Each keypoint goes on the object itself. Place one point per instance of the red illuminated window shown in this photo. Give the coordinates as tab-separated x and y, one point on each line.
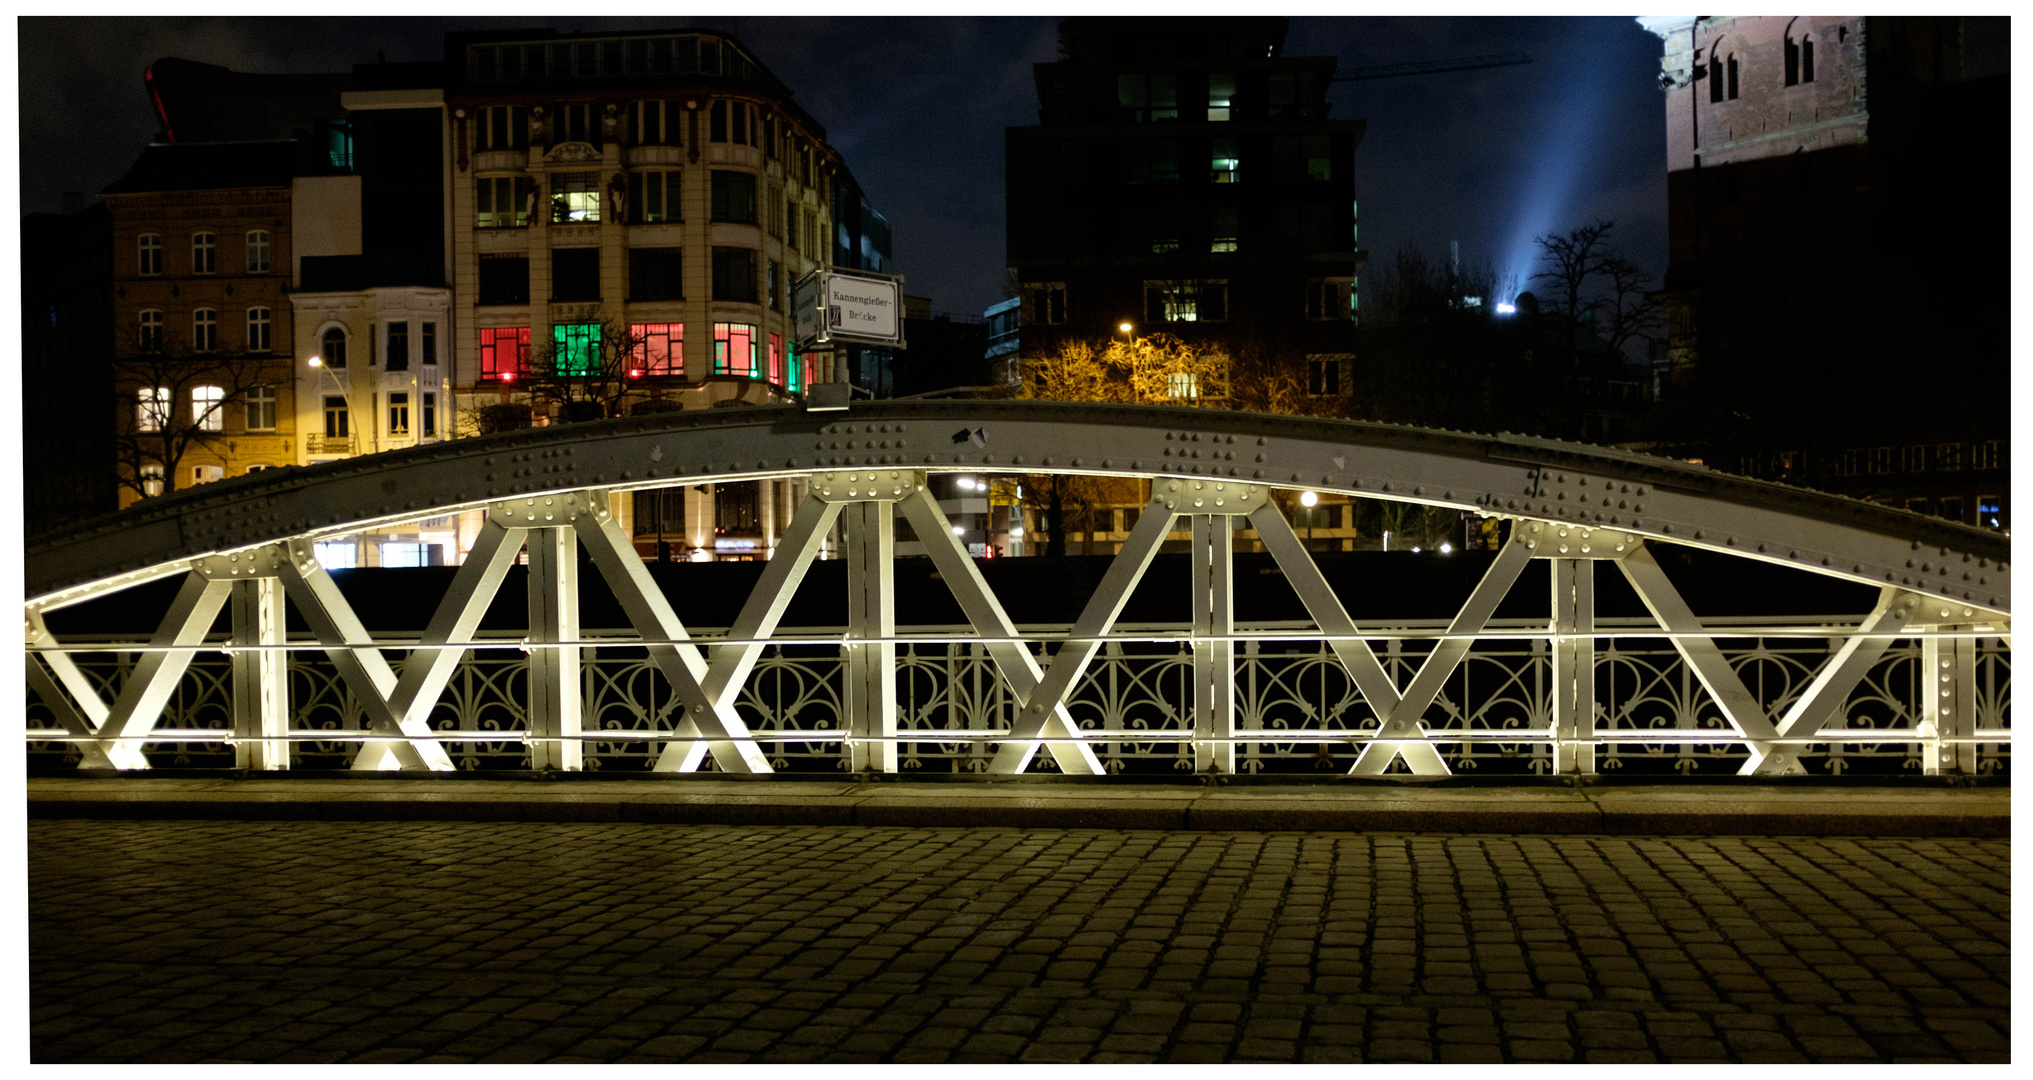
659	349
776	359
504	353
734	349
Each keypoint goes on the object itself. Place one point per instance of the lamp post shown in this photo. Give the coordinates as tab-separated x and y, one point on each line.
1126	330
318	363
1309	500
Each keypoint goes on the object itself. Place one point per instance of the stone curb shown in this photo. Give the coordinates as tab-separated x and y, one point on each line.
1878	812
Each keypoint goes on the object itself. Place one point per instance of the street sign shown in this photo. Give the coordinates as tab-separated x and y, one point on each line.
848	307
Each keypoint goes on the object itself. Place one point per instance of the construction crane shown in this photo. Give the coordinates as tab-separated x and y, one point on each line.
1432	67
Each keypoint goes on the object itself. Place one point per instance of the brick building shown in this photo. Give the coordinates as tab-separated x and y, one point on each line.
1837	289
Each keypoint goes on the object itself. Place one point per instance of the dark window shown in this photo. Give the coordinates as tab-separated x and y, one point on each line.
430	343
770	286
734	196
734	508
653	196
734	274
1806	59
656	274
429	413
1951	508
333	348
1792	61
504	279
1323	377
335	417
398	346
660	510
1732	65
575	274
717	122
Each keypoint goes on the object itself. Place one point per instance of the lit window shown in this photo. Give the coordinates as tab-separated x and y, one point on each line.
403	553
207	408
1220	95
734	349
204	330
205	474
151	254
204	253
776	359
576	348
257	251
150	339
151	480
504	353
659	349
1182	384
258	327
502	202
654	195
337	555
151	410
575	197
398	413
1203	301
261	408
332	349
1225	166
1990	511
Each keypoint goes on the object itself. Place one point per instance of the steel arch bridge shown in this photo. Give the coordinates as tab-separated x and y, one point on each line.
1943	590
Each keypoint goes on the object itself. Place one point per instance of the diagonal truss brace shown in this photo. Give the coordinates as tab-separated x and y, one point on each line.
985	613
734	750
360	664
1042	712
83	725
1398	733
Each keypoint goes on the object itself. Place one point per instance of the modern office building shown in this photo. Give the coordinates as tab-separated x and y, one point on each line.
1185	177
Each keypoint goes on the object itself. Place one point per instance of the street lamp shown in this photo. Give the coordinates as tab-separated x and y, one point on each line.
1125	329
1309	500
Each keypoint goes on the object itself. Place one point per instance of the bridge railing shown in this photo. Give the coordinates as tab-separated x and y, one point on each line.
1297	709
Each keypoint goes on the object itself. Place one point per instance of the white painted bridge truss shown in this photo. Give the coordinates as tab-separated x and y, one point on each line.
546	493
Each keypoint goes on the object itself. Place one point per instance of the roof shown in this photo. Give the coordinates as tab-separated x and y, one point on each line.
205	166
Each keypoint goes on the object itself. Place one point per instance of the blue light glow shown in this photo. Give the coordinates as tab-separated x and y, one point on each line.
1570	123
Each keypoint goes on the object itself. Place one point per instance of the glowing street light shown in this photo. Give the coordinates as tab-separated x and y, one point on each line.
1308	499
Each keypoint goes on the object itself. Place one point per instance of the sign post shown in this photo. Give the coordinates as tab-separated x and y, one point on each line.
831	308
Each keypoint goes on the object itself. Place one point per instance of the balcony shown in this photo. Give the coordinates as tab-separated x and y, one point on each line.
328	444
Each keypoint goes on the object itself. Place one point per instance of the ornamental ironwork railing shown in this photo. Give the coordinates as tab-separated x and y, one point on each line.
1298	712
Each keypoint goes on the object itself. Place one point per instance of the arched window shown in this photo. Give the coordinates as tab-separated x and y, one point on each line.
333	348
1806	58
1731	63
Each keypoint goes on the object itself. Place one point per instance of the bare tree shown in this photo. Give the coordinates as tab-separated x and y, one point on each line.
1592	286
590	374
173	400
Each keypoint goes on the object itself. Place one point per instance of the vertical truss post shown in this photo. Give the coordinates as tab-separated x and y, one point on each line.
260	676
1573	665
554	690
871	614
1213	660
1948	684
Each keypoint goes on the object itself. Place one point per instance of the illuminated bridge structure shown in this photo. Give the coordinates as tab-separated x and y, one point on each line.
1916	682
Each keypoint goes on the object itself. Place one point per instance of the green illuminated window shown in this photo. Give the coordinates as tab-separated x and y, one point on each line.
578	348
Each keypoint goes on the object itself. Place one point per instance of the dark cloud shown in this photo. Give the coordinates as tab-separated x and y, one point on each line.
918	107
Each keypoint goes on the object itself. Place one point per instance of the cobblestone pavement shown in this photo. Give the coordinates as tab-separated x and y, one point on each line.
448	941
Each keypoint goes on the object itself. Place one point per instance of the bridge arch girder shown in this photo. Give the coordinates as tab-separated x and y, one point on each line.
1517	477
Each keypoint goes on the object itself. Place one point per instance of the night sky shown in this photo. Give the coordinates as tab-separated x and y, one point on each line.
918	107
